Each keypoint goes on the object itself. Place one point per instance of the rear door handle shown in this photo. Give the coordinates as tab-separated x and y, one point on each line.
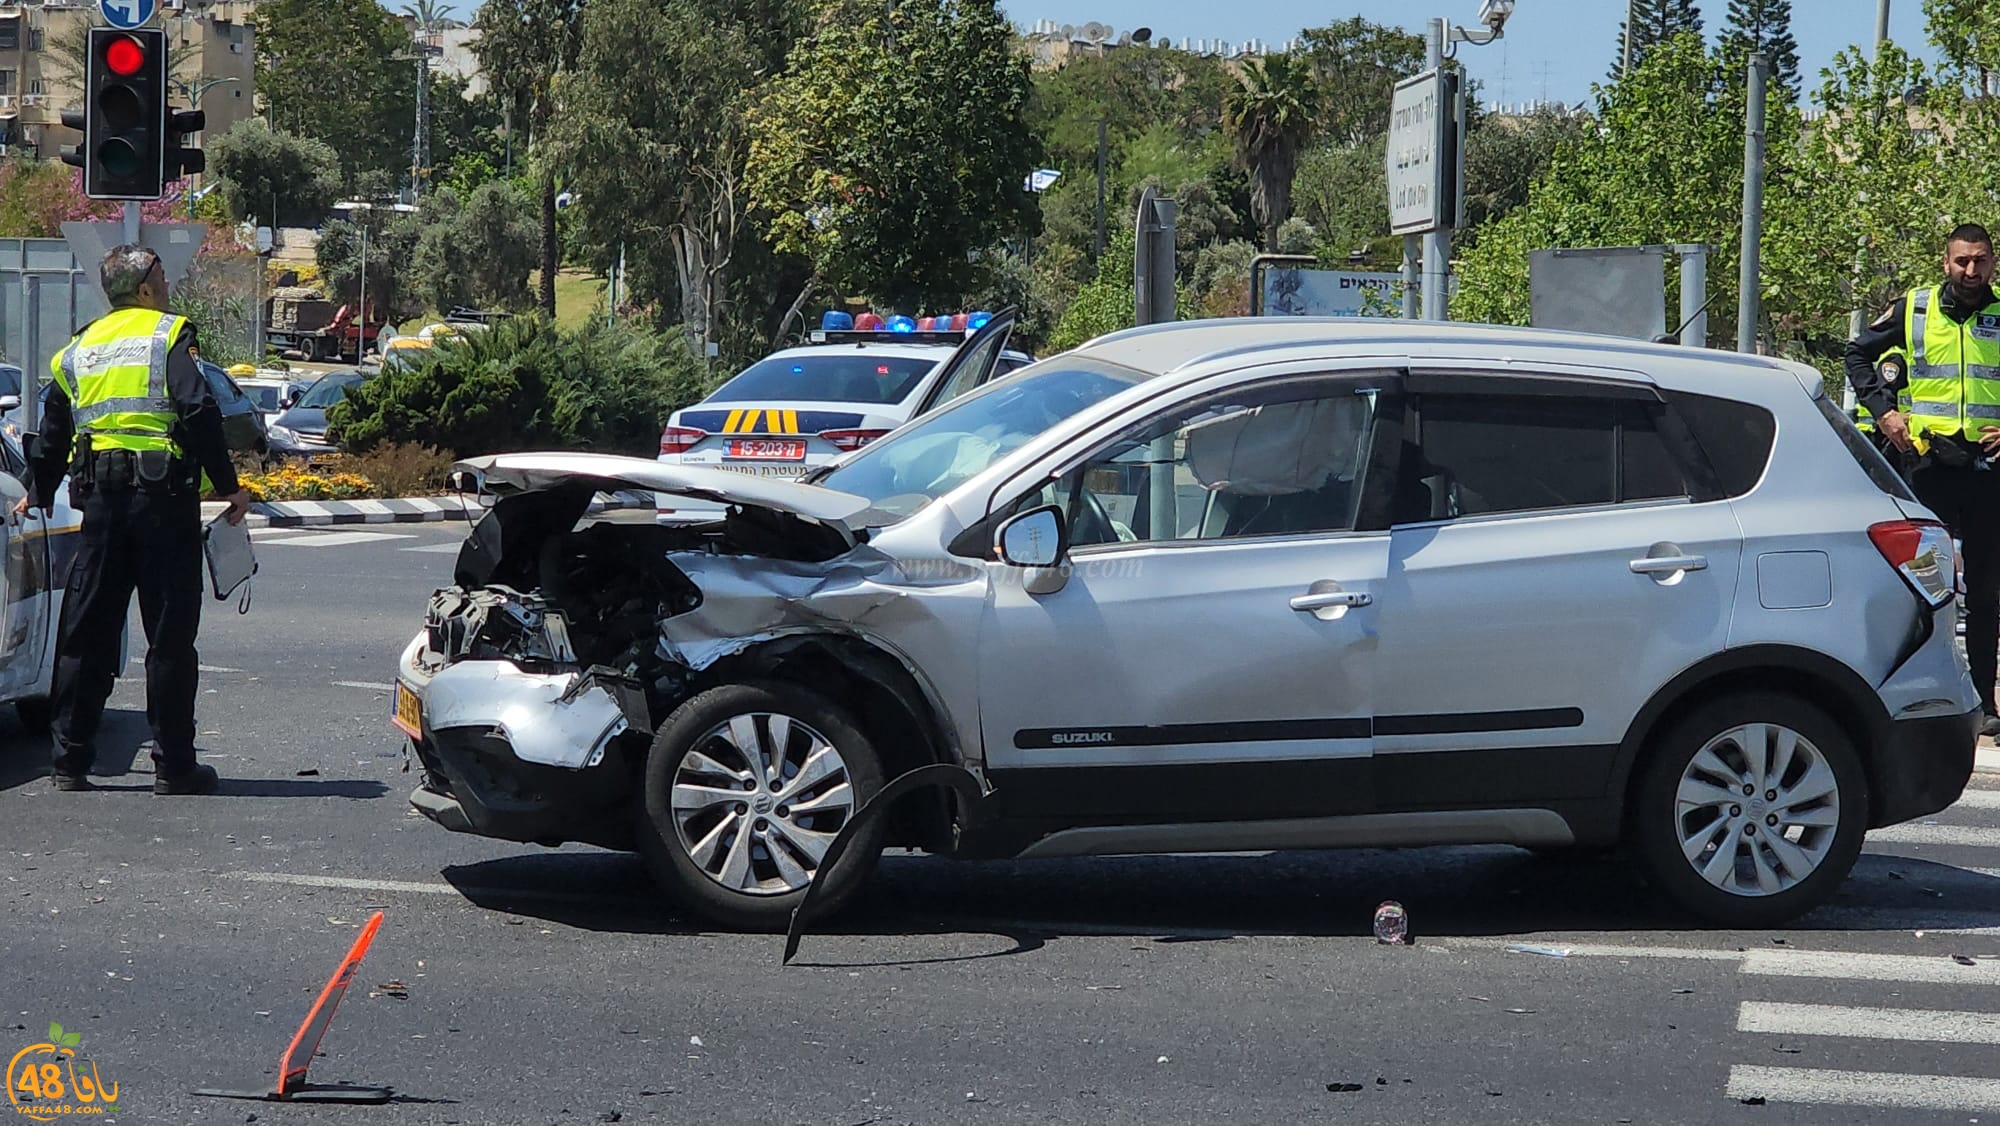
1666	564
1328	599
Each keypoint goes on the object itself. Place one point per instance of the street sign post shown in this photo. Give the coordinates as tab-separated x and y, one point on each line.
175	243
128	14
1416	164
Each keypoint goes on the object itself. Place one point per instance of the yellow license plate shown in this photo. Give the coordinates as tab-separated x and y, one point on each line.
408	713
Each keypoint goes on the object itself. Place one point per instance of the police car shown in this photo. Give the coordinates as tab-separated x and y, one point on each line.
35	555
862	376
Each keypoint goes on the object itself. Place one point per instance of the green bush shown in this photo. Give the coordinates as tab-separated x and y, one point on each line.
526	384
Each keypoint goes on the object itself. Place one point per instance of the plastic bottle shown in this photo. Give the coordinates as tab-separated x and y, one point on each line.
1392	925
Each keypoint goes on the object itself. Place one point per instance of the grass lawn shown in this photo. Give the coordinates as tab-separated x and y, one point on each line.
578	294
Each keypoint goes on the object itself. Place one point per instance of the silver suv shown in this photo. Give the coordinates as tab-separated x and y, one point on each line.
1227	585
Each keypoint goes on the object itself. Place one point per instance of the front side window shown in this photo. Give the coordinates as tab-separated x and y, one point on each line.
1487	454
1272	460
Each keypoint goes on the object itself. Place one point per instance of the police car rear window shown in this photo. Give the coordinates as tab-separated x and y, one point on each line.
837	377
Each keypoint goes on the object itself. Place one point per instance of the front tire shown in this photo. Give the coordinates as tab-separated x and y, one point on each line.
1751	810
746	787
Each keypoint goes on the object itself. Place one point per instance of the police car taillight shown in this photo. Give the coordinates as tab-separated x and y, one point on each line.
845	440
679	439
1920	551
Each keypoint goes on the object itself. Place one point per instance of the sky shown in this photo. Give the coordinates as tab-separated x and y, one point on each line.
1553	49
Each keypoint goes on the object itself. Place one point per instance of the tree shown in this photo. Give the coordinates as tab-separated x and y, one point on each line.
275	178
1358	64
895	147
477	253
1967	34
524	47
1504	157
1653	22
1134	93
335	71
1271	117
1616	184
1765	25
650	137
392	245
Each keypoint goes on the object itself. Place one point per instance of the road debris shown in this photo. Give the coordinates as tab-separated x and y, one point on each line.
1343	1088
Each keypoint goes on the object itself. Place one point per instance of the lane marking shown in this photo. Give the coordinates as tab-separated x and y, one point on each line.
1931	1025
1977	799
1864	1088
1870	967
335	539
1969	836
370	685
437	548
468	893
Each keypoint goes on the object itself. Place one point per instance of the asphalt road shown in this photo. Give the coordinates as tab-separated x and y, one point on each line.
184	938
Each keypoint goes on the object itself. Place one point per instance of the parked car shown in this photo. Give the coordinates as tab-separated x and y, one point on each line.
35	556
301	430
800	409
1228	585
243	423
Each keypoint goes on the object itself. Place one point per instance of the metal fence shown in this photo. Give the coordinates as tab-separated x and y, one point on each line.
31	332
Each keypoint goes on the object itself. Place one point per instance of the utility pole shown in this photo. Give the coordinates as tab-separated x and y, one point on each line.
1749	305
1100	187
1630	9
1881	26
1437	243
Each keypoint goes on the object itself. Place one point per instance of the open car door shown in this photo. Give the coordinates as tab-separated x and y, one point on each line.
973	364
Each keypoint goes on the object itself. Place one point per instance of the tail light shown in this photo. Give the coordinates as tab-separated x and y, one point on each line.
846	440
679	439
1921	551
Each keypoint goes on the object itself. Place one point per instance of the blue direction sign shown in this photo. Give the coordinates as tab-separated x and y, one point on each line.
128	14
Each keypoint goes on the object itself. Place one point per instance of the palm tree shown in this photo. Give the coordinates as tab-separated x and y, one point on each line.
1272	114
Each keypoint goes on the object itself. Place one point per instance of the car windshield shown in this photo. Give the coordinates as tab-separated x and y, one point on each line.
829	377
267	396
926	459
328	391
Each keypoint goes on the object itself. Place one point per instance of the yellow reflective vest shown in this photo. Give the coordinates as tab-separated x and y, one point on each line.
1954	383
115	374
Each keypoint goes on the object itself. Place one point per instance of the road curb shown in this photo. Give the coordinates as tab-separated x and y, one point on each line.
408	510
1987	759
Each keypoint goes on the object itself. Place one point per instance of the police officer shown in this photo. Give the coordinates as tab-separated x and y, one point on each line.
1951	334
129	401
1894	369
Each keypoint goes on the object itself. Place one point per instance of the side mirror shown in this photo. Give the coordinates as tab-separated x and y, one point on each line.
9	402
1036	538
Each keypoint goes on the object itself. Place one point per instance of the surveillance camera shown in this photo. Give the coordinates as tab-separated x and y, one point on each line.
1494	13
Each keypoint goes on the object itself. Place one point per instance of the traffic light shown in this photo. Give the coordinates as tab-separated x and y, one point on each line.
182	158
126	119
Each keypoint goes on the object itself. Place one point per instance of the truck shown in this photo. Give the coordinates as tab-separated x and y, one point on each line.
302	324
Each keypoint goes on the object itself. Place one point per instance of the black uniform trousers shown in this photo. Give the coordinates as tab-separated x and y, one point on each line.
150	541
1968	501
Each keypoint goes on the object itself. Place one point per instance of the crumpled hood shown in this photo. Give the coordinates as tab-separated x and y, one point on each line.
509	474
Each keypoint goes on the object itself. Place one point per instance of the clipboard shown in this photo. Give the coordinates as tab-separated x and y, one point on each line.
231	562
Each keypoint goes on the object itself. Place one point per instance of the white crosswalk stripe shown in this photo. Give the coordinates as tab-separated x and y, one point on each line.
332	539
1966	903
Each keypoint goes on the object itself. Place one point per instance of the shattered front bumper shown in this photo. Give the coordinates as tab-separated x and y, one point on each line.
525	756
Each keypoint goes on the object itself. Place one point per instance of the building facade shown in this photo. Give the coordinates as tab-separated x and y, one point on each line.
211	43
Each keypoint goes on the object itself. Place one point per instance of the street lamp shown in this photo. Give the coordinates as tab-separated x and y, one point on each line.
361	331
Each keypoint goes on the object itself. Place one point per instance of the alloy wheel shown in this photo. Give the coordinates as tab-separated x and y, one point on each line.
1757	809
757	801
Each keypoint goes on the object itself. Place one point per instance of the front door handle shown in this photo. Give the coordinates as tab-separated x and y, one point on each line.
1325	600
1667	564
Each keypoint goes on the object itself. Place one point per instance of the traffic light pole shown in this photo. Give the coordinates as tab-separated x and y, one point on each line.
131	222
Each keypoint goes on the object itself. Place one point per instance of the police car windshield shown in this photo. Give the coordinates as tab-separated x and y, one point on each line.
328	391
906	471
829	377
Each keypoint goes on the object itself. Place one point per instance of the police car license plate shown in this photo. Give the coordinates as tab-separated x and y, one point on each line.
407	713
768	449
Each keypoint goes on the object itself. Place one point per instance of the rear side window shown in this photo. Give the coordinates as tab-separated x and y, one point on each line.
1736	437
1487	454
829	377
1864	451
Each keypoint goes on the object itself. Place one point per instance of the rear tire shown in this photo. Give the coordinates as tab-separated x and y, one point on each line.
746	864
1751	859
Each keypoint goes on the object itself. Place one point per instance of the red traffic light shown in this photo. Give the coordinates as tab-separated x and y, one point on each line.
124	56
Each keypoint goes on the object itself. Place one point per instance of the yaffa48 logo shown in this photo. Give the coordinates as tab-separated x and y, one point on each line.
44	1081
